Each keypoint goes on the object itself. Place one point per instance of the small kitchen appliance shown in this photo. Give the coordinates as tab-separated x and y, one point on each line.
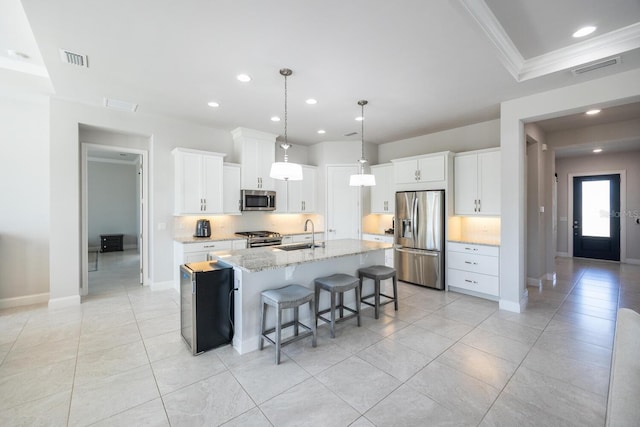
203	228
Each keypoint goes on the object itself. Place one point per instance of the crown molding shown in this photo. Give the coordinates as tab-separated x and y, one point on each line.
606	45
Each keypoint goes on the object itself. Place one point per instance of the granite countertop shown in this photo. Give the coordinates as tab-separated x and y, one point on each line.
484	242
213	238
268	258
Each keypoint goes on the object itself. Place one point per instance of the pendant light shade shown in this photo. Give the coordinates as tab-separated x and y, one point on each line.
284	170
362	179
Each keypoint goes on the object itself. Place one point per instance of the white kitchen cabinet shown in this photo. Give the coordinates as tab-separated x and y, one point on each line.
430	168
256	153
302	238
301	195
297	196
184	253
474	269
477	183
198	181
231	193
383	193
388	254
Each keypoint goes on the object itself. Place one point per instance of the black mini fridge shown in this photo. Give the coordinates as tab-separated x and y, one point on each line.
206	305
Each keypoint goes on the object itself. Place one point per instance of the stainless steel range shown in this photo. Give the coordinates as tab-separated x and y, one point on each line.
256	239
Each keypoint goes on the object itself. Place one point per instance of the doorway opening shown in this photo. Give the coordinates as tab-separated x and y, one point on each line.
114	218
594	227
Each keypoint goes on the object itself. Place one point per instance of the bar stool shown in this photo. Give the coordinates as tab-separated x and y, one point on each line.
337	284
291	296
378	273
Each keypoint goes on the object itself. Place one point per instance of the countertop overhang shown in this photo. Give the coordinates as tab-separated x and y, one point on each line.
270	257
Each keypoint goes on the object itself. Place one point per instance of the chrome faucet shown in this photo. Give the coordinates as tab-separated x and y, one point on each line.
313	232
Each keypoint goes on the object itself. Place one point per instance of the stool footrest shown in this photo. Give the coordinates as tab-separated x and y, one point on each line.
290	339
390	299
338	319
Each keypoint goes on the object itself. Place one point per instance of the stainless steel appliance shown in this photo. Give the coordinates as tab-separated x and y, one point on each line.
206	305
258	200
203	228
419	237
256	239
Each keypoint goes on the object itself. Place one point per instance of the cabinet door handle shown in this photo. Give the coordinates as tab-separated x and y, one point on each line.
471	263
479	206
209	246
471	281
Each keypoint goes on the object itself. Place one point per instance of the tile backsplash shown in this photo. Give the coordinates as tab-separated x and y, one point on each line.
474	229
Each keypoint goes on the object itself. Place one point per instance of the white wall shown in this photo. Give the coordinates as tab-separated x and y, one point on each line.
112	203
24	191
466	138
607	91
164	134
630	162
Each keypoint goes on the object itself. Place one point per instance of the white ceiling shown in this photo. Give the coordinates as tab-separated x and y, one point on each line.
424	66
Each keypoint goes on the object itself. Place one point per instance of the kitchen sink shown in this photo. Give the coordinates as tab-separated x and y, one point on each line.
299	246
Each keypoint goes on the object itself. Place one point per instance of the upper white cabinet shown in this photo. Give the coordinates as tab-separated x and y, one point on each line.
297	196
383	193
477	182
301	195
231	195
421	169
256	152
198	181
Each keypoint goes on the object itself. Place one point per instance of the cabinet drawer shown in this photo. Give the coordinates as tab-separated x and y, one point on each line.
474	249
476	282
377	238
211	245
474	263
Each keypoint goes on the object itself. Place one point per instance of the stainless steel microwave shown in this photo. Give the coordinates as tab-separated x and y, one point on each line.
258	200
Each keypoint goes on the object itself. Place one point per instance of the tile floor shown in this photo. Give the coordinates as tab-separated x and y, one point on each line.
443	359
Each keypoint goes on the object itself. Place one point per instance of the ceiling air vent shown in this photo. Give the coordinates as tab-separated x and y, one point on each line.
350	133
596	65
74	58
116	104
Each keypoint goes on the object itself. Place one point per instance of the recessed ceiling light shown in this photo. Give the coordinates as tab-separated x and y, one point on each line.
584	31
322	131
359	119
592	112
311	101
16	54
275	119
597	150
244	78
213	104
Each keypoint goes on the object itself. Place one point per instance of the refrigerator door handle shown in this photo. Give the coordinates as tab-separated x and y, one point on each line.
414	216
418	252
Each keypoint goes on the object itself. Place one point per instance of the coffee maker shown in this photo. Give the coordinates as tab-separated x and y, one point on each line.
203	228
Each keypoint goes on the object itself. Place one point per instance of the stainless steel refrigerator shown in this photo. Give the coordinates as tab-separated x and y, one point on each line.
419	237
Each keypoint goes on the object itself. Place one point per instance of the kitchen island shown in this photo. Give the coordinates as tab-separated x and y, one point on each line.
258	269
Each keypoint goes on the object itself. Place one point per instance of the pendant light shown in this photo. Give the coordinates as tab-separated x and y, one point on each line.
284	170
362	179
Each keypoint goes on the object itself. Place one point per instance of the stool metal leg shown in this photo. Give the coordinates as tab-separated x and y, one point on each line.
341	303
312	311
295	321
333	314
376	293
317	307
395	292
278	333
357	289
263	315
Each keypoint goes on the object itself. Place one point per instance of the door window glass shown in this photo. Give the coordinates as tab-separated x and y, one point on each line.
596	208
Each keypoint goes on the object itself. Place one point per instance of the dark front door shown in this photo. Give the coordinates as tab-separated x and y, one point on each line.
596	217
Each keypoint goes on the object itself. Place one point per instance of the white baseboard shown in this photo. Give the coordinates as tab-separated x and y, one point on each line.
56	303
516	307
632	261
562	254
24	300
161	286
532	281
550	276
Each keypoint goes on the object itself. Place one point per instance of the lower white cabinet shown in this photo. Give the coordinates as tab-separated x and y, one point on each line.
474	268
388	254
184	253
